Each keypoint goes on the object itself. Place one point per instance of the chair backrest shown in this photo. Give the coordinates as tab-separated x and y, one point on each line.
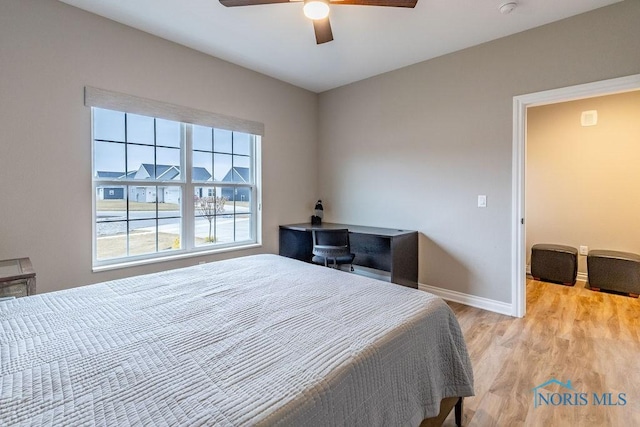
338	238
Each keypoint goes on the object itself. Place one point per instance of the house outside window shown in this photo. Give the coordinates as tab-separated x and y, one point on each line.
165	188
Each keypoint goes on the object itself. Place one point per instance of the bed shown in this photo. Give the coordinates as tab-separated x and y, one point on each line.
260	340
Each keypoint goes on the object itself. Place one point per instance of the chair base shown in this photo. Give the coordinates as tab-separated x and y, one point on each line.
333	262
329	263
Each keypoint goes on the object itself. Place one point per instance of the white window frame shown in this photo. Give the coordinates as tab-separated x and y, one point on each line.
100	98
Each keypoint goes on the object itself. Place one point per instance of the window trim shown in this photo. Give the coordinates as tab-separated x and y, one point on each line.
173	257
99	98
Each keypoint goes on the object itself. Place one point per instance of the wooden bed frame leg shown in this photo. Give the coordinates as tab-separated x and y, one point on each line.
459	407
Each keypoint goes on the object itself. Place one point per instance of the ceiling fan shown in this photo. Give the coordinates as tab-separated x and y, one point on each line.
318	11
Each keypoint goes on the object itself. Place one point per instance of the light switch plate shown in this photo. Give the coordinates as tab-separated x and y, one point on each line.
482	201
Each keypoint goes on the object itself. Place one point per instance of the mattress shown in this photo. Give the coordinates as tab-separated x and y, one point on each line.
260	340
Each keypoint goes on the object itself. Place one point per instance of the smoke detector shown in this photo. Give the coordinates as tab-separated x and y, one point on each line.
589	118
507	8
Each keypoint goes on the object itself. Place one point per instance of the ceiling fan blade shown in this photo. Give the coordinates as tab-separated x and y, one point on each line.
389	3
232	3
322	28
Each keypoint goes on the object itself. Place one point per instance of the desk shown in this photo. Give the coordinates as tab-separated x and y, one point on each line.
392	250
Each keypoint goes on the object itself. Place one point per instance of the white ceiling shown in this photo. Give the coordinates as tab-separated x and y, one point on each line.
277	40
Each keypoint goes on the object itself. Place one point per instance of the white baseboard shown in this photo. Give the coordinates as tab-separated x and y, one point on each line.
459	297
471	300
480	302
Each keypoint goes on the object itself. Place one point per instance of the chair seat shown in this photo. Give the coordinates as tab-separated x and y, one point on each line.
324	254
326	251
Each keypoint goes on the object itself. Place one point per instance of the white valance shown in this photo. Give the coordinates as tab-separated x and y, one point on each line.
101	98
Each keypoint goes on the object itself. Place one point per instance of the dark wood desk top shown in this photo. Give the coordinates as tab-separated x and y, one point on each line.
374	231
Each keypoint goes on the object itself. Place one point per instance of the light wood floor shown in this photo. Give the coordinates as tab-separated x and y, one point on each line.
569	333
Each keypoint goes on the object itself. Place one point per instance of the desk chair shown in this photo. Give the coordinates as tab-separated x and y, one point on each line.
332	245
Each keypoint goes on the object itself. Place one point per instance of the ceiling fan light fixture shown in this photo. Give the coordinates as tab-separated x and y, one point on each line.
316	9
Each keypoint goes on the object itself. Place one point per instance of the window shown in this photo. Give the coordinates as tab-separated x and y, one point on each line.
165	187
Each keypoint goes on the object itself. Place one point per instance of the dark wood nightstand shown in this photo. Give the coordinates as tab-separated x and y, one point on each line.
17	278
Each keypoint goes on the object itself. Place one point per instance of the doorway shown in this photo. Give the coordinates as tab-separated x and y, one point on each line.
520	105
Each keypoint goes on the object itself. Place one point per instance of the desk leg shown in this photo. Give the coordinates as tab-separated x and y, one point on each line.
404	260
296	244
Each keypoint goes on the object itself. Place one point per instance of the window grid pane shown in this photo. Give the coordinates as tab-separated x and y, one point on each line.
137	217
133	220
144	148
222	215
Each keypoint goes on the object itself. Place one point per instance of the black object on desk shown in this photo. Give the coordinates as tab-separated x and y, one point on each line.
395	251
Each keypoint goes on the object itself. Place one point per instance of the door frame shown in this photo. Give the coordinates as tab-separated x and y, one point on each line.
519	165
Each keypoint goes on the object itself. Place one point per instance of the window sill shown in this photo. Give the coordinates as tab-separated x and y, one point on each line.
127	264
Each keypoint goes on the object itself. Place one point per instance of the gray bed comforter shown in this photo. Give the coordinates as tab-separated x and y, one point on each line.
260	340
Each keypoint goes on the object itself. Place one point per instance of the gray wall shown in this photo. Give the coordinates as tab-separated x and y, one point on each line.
582	182
414	148
48	52
411	148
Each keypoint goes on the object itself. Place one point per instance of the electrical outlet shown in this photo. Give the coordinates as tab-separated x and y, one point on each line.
584	250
